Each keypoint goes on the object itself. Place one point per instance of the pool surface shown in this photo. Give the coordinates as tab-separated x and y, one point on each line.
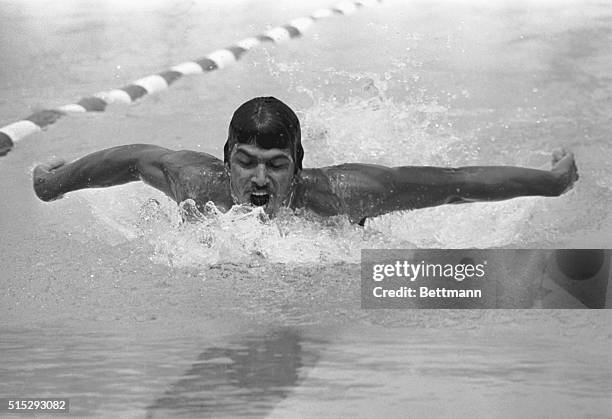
106	299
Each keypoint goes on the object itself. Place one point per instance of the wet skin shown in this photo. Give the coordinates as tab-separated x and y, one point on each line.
261	177
268	178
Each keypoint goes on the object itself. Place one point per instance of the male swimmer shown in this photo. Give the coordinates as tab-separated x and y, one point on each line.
263	167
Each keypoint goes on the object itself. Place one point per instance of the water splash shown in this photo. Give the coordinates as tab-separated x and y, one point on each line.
366	123
365	117
246	235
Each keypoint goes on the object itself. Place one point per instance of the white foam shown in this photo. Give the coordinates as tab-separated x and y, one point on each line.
366	126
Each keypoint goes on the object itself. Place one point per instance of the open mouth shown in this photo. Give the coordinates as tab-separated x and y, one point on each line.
260	199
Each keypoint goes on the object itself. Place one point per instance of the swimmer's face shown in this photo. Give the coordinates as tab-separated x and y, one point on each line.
261	177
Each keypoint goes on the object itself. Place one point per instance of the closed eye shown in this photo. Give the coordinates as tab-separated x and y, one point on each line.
246	162
278	164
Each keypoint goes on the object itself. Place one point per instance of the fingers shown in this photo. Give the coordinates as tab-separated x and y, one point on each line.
55	163
563	160
44	181
42	176
558	154
564	166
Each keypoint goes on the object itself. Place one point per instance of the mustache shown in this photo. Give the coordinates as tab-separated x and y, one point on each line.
255	188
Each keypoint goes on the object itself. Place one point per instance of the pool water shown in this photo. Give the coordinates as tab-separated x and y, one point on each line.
108	300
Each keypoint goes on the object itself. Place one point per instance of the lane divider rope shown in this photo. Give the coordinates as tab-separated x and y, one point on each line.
219	59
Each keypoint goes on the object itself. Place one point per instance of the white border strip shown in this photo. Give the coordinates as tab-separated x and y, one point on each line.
186	68
278	34
20	129
346	7
302	23
248	43
115	96
73	107
152	84
322	13
222	58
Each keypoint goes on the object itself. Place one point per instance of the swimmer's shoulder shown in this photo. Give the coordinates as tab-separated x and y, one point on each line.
350	188
196	175
191	160
315	192
348	178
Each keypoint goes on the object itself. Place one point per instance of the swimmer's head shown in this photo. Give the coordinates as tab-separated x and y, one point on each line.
263	153
268	123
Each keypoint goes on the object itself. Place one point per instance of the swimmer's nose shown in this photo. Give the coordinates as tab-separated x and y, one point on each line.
259	177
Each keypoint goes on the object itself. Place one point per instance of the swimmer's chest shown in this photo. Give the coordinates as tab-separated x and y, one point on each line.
202	180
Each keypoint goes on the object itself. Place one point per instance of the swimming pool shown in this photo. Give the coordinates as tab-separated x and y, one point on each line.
107	301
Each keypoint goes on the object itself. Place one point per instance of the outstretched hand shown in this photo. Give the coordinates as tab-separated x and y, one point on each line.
42	177
564	166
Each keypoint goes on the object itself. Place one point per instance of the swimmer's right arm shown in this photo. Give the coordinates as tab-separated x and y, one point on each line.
113	166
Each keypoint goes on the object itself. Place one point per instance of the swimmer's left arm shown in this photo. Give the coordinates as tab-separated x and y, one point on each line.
370	190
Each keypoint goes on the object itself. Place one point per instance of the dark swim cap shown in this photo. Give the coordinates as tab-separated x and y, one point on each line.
268	123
